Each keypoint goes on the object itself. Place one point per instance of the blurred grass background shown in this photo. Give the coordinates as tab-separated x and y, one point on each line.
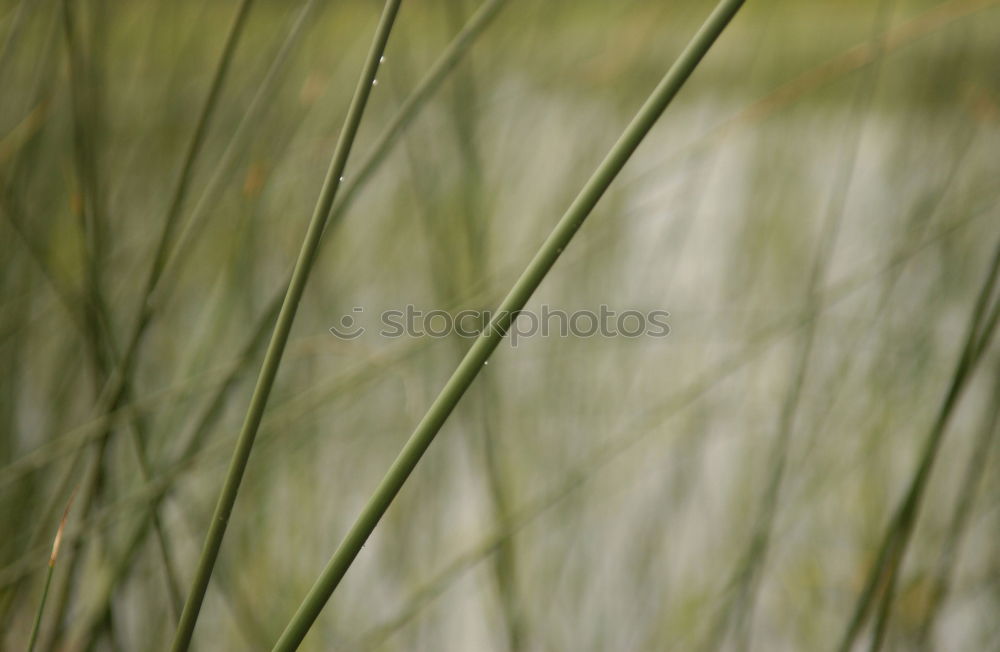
816	212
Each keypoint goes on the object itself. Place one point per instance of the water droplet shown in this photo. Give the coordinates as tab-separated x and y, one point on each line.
374	82
341	178
381	59
486	362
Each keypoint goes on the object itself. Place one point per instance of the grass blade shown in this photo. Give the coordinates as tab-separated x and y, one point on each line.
737	615
487	342
882	577
48	575
116	386
279	337
958	526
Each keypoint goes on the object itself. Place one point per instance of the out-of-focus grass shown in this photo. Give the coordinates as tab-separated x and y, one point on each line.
718	226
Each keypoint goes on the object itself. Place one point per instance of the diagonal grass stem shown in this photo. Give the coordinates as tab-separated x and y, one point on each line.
279	337
487	342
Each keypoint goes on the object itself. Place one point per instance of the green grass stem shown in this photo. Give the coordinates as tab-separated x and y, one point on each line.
880	583
958	525
737	615
53	557
638	430
487	342
279	337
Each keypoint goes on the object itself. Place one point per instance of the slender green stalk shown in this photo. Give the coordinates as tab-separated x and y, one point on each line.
90	209
94	315
116	386
464	264
36	627
838	292
84	94
981	335
351	186
14	31
737	615
635	432
170	223
410	108
883	575
276	346
408	111
491	337
121	566
958	526
297	407
210	413
242	134
41	607
931	21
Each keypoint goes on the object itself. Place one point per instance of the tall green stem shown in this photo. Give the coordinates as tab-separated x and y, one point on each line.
883	574
491	337
276	346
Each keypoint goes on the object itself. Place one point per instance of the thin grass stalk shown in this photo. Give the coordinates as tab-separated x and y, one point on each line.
836	293
455	272
737	617
136	430
628	438
882	575
35	558
491	337
36	627
116	386
279	337
83	89
242	134
151	518
389	136
855	58
463	266
975	469
13	32
165	239
84	110
473	242
98	338
49	509
192	443
982	339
